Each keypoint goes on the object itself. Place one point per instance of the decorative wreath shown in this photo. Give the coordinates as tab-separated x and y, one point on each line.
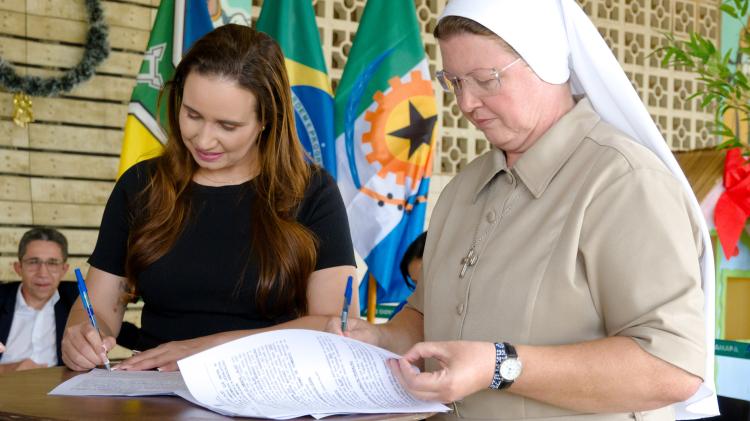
95	51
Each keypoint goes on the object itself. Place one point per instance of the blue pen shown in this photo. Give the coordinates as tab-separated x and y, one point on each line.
84	293
347	302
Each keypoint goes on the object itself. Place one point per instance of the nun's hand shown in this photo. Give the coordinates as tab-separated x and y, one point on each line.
356	328
465	368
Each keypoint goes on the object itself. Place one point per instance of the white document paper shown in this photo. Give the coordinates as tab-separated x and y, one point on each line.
280	374
98	382
292	373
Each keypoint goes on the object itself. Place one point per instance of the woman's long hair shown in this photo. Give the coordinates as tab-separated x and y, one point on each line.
285	249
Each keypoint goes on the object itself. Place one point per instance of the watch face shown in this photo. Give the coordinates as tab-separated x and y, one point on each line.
510	369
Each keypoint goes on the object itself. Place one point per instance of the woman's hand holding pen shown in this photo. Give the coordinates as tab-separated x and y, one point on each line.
83	348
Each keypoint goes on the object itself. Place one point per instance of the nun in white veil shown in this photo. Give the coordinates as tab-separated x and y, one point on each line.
519	69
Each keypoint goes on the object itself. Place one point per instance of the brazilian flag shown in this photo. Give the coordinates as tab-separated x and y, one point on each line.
292	24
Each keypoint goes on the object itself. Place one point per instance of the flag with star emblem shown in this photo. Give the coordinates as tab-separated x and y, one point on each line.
292	24
178	24
386	119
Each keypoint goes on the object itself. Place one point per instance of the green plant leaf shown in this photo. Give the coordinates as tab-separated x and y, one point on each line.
729	9
722	86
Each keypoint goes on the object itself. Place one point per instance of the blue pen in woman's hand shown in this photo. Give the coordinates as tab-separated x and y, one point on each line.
347	302
84	293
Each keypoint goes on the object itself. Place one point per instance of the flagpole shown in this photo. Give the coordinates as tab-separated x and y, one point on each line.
372	298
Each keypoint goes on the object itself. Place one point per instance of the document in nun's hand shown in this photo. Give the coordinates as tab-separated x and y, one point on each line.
280	374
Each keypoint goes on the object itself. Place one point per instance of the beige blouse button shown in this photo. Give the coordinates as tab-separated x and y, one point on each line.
491	216
460	309
509	178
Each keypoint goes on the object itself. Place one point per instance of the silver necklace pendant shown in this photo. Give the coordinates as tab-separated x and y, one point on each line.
469	260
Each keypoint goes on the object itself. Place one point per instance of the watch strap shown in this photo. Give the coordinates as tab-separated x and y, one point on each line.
500	356
503	351
510	350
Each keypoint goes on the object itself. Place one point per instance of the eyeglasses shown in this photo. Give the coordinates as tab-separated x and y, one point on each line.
480	82
53	265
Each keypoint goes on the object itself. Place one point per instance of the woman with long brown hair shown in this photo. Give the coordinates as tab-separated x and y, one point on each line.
229	232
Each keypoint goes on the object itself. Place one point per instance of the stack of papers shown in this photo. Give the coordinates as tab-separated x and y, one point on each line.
281	374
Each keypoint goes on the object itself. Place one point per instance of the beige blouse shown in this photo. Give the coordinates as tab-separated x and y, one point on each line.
588	236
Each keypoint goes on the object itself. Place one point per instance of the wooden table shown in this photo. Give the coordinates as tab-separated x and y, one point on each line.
23	396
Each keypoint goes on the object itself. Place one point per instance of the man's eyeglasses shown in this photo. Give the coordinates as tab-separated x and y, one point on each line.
480	82
34	264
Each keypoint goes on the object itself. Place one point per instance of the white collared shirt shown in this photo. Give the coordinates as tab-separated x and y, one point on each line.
32	333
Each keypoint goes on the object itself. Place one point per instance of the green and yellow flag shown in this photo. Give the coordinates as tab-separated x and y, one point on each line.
178	24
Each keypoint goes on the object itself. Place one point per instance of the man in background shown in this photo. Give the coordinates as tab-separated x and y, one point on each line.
33	312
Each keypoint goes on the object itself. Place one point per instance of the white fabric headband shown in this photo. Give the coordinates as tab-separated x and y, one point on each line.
560	43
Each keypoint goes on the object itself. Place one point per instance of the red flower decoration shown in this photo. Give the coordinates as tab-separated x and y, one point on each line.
733	207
